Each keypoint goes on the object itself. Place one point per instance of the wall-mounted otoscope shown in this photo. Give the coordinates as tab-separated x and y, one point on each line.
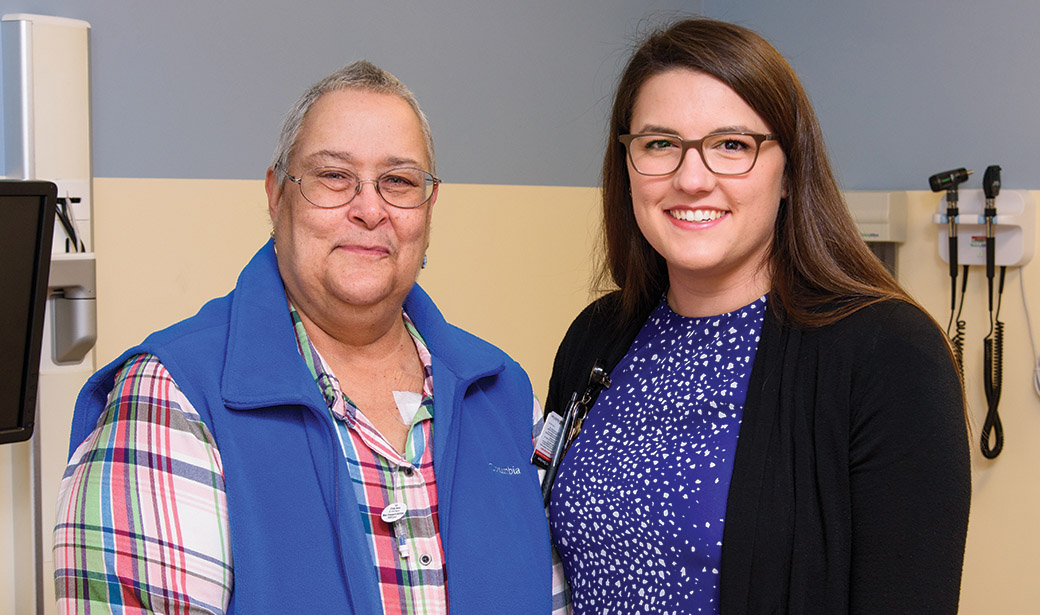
996	240
948	181
991	188
992	440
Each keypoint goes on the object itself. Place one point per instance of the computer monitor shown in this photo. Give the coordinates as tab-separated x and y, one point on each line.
27	210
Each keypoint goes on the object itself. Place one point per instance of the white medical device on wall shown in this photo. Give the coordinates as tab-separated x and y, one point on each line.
1014	228
46	120
46	72
881	219
990	228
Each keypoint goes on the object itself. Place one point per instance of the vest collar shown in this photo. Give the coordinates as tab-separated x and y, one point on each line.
262	355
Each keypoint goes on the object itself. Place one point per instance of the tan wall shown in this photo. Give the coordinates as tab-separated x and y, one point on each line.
512	264
508	263
1003	554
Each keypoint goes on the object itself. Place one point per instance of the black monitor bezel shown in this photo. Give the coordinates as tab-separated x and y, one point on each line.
48	193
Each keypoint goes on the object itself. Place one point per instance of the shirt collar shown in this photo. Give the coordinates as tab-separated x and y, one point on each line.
329	385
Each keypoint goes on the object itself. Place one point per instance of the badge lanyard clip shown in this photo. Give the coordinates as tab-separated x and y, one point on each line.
559	433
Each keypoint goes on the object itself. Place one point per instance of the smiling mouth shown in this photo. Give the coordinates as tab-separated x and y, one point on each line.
359	249
696	215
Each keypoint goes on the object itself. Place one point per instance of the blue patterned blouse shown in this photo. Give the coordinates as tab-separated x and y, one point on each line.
638	506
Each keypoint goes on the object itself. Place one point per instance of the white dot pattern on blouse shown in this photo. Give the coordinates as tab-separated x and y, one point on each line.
638	506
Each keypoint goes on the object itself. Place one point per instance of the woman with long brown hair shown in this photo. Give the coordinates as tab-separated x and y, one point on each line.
783	429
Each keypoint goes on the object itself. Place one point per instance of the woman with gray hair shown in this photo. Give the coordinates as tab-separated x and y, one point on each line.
320	440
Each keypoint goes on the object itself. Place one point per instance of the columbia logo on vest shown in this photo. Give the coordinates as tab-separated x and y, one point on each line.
508	470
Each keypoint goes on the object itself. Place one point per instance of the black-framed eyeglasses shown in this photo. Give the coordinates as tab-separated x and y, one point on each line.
723	153
330	187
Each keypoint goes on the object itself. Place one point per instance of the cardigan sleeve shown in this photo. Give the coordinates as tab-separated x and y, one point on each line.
909	469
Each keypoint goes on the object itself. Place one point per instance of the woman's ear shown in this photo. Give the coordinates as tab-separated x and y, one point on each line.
274	193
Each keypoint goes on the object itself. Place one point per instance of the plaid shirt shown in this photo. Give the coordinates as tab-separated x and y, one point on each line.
142	516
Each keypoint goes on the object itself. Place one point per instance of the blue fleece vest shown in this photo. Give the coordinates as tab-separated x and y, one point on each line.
297	539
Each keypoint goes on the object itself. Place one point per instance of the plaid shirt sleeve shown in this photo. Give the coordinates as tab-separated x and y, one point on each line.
561	592
142	515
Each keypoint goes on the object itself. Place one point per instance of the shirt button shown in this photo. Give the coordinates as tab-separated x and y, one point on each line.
425	559
408	471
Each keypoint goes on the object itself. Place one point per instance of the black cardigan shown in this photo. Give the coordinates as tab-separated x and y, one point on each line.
851	480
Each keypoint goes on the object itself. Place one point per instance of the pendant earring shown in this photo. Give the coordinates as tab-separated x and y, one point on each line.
423	262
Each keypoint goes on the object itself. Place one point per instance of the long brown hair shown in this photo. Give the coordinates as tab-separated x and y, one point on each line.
821	268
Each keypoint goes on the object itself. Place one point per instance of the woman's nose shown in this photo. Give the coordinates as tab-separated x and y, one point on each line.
367	206
693	175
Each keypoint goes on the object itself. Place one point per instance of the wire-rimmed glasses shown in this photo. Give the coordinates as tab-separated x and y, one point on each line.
723	153
330	187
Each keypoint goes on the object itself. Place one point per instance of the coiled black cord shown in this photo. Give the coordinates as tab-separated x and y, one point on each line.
957	339
993	365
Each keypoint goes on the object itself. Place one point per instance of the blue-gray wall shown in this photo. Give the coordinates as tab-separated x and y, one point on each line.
906	89
517	91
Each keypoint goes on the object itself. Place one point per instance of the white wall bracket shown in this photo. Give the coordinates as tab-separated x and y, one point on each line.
1014	228
881	219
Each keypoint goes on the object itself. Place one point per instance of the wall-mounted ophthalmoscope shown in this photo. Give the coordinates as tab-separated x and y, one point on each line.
948	181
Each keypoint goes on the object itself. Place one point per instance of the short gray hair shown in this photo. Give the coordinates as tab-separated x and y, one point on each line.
361	75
